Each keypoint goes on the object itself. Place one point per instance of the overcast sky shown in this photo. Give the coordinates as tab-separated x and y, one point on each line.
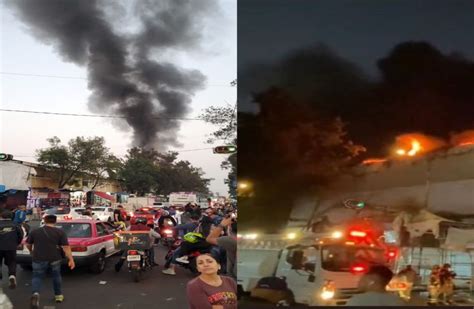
21	134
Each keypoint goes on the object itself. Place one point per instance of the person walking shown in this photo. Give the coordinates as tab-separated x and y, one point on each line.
11	236
446	279
434	287
409	276
209	290
47	245
20	215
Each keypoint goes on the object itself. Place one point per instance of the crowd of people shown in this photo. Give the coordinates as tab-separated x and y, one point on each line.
211	231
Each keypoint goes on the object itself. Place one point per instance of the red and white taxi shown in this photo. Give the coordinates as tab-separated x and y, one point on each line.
91	243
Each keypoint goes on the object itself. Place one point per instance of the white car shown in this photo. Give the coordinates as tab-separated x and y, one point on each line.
103	213
63	213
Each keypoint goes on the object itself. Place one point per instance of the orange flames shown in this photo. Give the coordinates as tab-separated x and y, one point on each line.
413	144
465	138
373	161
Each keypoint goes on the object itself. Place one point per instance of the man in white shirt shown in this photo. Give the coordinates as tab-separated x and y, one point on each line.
374	283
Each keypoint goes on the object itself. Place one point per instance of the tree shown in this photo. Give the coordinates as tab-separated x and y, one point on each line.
225	119
139	171
80	156
175	176
146	171
289	150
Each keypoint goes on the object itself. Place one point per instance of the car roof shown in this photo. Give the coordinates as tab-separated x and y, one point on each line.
79	221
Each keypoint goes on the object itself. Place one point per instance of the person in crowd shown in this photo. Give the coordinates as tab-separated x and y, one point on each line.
228	243
20	215
88	212
210	290
184	228
47	245
434	285
141	225
198	243
11	236
166	220
446	279
208	220
374	284
409	274
119	220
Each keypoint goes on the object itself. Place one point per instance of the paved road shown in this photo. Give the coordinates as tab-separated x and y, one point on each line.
82	289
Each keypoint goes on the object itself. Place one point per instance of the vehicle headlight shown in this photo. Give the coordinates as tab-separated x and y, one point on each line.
328	291
327	294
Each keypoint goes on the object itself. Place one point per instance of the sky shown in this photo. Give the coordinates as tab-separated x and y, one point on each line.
360	31
21	134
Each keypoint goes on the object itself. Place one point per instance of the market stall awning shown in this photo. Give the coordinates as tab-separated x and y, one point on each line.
104	196
15	176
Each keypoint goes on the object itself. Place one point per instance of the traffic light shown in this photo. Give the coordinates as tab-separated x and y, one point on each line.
5	157
354	204
225	149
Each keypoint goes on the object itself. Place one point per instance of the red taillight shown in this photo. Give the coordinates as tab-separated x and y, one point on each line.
358	269
132	252
401	285
78	249
392	254
355	233
168	232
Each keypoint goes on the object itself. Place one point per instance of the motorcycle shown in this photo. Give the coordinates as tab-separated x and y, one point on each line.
191	265
138	262
168	236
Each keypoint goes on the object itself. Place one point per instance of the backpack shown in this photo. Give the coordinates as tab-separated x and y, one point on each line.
193	237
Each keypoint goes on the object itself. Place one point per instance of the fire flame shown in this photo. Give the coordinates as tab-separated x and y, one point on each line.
465	138
413	144
373	161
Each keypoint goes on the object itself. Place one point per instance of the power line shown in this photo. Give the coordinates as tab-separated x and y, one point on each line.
81	78
178	151
89	115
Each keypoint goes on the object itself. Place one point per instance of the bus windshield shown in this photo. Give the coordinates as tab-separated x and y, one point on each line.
340	258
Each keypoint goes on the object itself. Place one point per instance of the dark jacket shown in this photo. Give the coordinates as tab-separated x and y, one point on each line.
11	235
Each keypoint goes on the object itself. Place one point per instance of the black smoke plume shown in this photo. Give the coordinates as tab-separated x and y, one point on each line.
420	89
125	73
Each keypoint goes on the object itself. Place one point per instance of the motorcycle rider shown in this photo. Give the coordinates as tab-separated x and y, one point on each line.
166	220
119	220
140	225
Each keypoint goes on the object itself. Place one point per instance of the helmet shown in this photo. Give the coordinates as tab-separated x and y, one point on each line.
141	221
165	213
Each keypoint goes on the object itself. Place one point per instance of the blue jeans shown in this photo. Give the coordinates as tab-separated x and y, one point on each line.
39	270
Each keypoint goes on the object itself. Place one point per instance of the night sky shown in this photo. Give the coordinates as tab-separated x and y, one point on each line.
360	31
398	66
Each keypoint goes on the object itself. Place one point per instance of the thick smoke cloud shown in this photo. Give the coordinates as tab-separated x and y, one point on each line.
122	74
420	89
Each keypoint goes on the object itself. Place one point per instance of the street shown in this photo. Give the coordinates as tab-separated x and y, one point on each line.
109	289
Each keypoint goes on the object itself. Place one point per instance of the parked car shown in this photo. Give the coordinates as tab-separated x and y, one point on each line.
91	241
103	213
65	213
